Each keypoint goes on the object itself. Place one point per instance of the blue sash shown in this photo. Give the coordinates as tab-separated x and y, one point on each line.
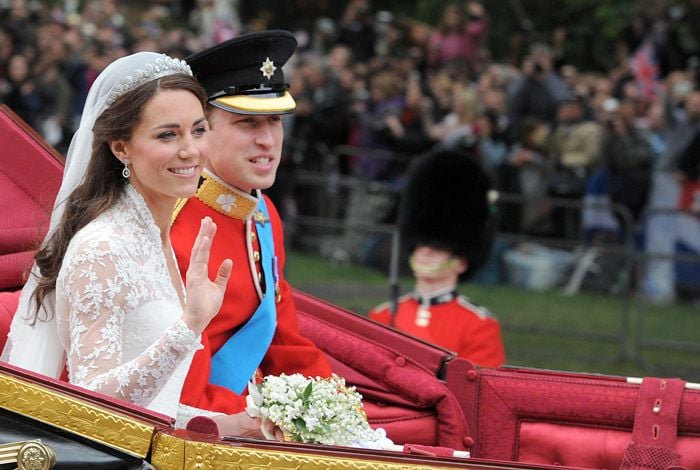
234	364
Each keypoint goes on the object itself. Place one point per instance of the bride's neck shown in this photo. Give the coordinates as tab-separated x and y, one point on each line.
162	212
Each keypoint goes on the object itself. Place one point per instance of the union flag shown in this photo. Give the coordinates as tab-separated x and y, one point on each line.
646	70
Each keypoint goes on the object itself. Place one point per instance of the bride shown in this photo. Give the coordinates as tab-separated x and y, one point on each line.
105	297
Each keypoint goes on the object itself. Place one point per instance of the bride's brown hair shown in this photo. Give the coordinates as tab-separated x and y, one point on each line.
103	182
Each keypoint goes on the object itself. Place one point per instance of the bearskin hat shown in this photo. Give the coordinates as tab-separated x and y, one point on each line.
445	204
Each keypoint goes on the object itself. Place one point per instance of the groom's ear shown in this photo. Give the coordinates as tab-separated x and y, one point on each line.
118	148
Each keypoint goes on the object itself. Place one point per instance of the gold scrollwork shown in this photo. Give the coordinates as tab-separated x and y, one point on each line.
85	419
171	452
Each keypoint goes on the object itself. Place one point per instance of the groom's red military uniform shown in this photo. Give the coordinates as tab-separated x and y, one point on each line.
247	96
235	239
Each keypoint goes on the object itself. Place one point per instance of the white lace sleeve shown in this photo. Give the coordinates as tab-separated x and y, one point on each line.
96	290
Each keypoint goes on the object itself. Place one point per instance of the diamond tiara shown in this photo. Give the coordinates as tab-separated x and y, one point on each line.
162	66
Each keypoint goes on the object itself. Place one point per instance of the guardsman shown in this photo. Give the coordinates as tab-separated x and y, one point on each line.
445	222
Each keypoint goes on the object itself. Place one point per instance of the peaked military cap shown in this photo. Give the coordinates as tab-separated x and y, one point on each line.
445	204
244	74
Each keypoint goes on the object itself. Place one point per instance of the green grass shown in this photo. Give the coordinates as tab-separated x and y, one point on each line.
582	332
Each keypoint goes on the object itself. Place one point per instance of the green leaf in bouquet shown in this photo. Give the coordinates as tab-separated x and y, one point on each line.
299	423
307	391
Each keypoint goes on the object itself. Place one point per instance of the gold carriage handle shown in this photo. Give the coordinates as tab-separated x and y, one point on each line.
28	455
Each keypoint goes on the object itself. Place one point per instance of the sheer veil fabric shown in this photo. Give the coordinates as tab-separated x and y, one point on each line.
36	347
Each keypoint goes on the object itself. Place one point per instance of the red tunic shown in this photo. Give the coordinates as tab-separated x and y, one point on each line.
289	352
458	325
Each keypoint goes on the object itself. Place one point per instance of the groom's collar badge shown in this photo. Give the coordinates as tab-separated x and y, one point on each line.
226	199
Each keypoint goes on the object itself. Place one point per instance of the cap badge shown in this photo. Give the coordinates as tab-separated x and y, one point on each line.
268	68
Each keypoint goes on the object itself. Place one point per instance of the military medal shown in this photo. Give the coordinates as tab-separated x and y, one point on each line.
260	217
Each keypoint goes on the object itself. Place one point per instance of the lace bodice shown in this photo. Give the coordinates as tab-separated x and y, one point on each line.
118	314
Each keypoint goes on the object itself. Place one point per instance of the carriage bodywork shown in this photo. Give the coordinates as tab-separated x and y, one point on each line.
421	394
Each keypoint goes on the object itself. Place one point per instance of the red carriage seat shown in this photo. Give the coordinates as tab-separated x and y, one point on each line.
577	420
8	306
30	175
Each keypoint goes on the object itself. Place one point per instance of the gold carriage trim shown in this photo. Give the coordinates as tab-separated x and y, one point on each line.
87	420
175	452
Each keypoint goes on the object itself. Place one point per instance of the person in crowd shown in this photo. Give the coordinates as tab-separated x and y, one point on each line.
458	37
573	155
625	153
256	332
385	102
105	297
22	93
459	124
356	29
527	172
446	225
493	149
575	143
539	91
409	131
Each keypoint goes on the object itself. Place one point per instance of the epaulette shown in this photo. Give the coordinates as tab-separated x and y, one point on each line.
478	310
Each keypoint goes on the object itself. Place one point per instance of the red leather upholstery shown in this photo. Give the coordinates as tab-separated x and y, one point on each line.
30	175
568	419
8	306
395	373
589	447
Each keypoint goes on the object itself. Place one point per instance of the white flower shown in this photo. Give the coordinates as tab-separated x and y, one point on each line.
314	410
226	201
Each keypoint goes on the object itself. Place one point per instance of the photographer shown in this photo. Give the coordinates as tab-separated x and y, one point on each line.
539	91
627	155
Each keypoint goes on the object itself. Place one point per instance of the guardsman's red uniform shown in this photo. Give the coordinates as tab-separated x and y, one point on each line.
451	321
289	352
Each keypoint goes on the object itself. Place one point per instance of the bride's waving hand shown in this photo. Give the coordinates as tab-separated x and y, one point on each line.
204	296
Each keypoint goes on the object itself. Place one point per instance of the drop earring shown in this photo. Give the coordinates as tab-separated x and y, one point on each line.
126	172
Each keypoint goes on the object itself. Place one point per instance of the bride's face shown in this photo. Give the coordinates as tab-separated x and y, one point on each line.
168	147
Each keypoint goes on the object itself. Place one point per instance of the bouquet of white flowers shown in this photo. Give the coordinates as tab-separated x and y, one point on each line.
315	410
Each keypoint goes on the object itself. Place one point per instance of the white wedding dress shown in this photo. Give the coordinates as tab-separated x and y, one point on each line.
118	313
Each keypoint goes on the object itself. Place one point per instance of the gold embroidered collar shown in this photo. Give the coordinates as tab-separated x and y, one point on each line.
225	199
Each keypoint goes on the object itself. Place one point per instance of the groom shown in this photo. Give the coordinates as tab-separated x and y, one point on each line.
255	332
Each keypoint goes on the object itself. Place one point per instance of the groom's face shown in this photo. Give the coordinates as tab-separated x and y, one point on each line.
245	149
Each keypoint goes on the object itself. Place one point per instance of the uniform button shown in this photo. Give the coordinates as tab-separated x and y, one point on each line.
256	255
468	441
252	236
400	361
259	276
472	374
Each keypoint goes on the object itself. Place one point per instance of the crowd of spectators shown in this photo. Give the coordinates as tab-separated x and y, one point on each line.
373	80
